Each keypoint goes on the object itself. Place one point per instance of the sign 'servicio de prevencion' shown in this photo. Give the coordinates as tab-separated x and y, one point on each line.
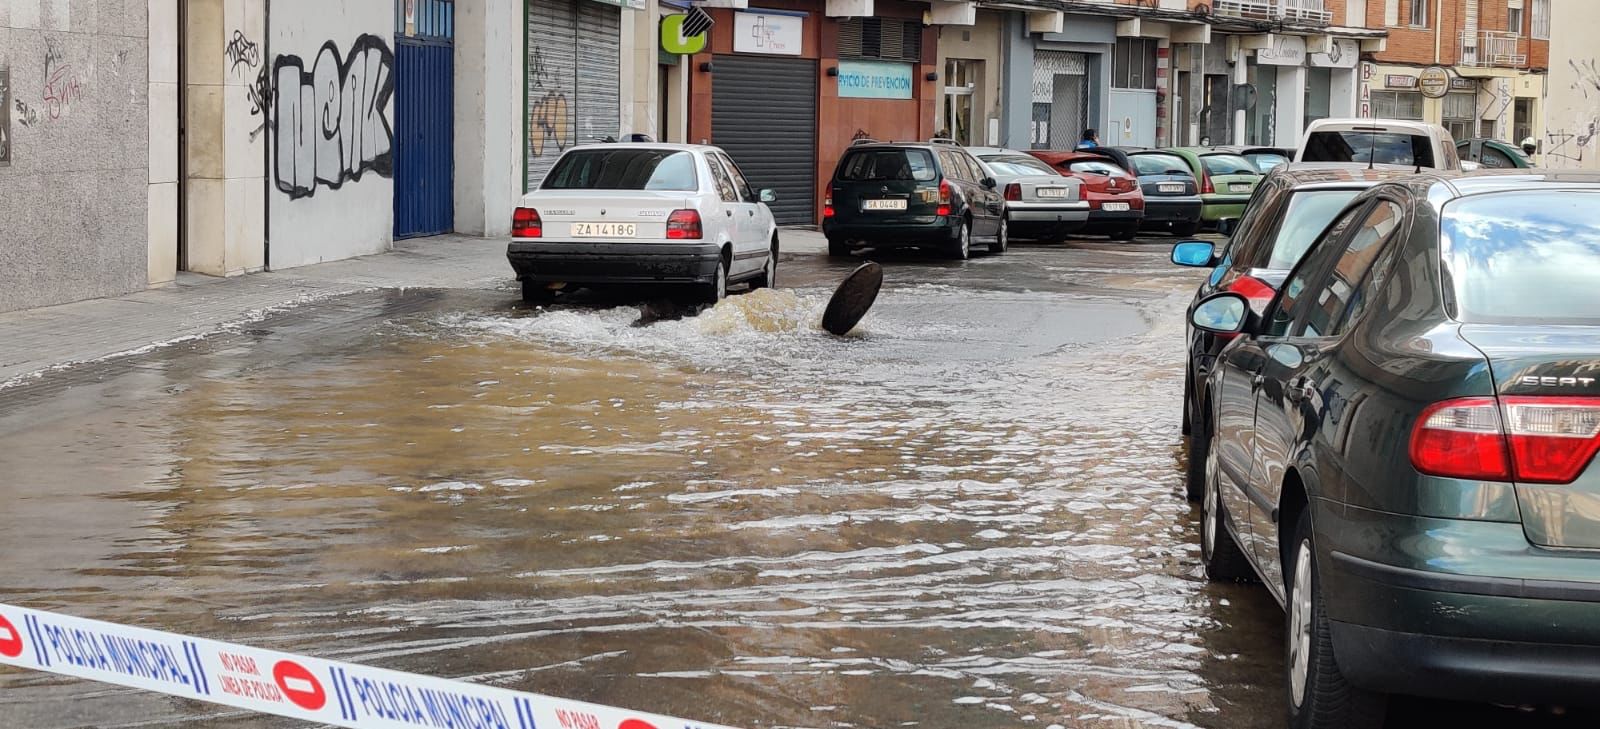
300	687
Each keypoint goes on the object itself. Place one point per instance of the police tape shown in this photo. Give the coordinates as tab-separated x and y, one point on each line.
300	687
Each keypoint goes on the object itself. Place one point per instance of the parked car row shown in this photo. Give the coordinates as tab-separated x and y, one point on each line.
1393	406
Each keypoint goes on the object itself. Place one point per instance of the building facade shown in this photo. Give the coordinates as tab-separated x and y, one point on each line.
1572	107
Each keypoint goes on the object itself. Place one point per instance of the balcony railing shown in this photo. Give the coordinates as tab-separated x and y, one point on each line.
1312	12
1491	49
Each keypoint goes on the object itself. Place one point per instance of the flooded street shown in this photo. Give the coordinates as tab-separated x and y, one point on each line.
966	514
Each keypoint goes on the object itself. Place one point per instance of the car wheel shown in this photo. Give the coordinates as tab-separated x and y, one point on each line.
838	248
717	289
537	292
1319	695
769	272
1002	238
1224	560
963	249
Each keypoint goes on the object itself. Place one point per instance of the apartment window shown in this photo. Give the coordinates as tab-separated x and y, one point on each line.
1514	17
1397	105
1541	19
1419	13
1391	12
1134	64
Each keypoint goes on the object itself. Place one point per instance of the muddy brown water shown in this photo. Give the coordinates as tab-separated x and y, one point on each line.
965	514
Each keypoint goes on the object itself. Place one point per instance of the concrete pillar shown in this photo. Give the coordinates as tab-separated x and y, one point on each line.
1016	86
487	127
1241	74
1291	106
162	199
225	170
1344	95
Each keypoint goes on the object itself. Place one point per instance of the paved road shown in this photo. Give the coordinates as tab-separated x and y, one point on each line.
966	514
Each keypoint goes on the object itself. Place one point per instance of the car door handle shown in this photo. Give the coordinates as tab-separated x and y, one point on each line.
752	213
1258	380
730	213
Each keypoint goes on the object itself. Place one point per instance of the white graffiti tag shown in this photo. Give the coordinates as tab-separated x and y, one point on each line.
332	124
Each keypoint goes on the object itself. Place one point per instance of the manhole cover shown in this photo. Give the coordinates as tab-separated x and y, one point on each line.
853	298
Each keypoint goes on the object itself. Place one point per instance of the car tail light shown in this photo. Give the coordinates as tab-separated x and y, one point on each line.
1526	439
827	207
944	198
1014	192
525	223
683	225
1206	188
1256	291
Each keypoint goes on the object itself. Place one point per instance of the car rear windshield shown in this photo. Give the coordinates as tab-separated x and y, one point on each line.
1103	168
882	165
1267	161
1524	257
1384	148
1308	214
1227	164
1017	165
623	169
1160	164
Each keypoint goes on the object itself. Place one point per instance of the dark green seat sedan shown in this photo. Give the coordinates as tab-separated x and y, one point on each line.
1404	447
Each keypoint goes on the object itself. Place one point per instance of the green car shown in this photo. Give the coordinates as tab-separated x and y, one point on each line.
1226	181
1493	154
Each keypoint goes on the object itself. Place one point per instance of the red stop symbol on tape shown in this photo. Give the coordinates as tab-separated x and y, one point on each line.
636	724
10	639
299	685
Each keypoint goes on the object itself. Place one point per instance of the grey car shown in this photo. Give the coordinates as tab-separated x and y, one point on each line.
1040	202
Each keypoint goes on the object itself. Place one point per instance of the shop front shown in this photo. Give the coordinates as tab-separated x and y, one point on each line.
1503	106
785	88
571	79
1292	83
969	108
1071	82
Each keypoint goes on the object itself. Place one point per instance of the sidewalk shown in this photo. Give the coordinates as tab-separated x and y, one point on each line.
33	340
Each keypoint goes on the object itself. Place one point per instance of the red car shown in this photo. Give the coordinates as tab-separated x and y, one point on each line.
1116	204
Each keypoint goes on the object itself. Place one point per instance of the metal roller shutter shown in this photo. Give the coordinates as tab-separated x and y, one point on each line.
764	113
572	78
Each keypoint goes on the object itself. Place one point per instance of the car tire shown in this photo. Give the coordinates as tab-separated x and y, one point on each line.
963	244
1002	238
768	278
1126	232
838	248
717	289
537	292
1319	697
1185	230
1219	552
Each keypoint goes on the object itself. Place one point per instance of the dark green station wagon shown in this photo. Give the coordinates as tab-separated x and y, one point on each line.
912	195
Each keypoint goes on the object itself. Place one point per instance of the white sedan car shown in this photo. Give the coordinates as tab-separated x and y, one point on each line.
644	214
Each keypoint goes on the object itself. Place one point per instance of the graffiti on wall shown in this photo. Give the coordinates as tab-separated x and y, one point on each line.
331	123
63	87
1569	144
244	60
549	114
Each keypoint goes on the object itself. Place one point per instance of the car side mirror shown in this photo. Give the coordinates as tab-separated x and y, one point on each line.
1227	226
990	183
769	195
1223	313
1195	253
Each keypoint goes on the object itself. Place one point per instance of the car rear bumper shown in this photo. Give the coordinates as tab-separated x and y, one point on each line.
1217	207
1024	212
1528	634
898	233
613	262
1172	210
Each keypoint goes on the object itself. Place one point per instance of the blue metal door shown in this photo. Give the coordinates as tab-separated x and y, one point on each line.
424	100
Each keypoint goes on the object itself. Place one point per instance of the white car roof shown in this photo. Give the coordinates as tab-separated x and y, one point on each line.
1347	125
648	145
